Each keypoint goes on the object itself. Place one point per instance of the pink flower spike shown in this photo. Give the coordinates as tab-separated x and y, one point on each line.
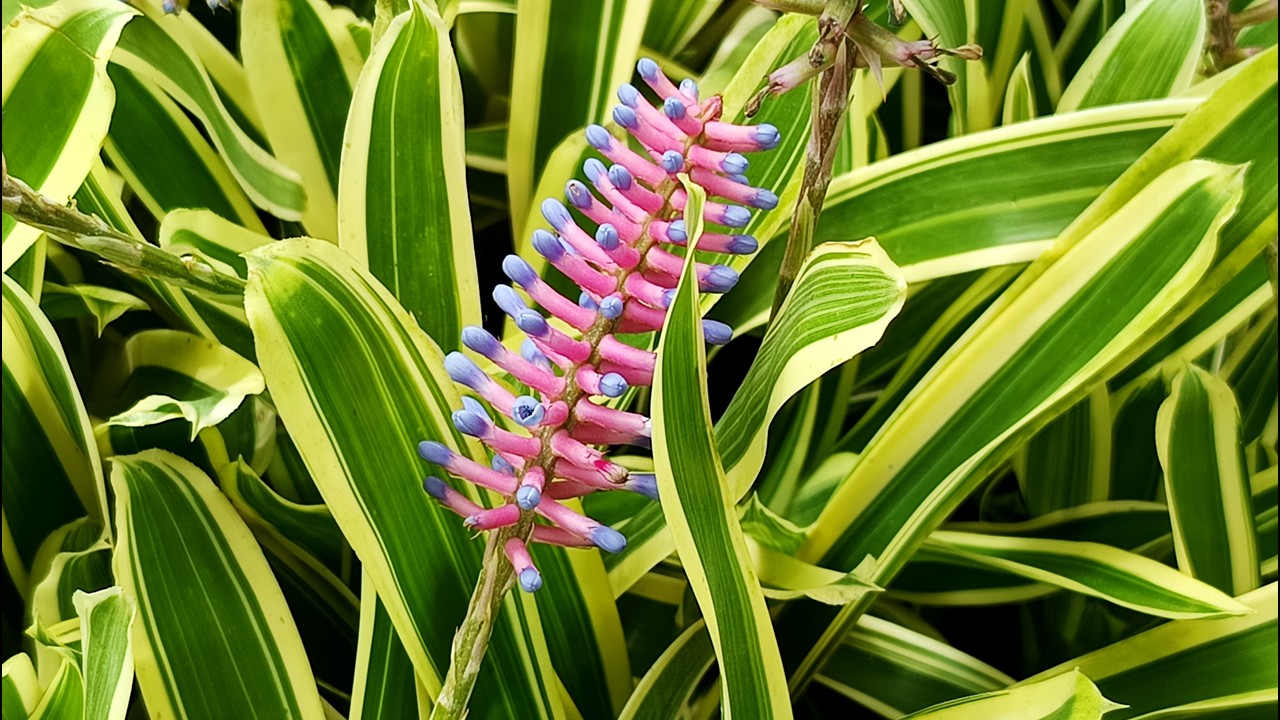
574	522
492	519
607	417
638	317
584	244
655	78
495	437
723	187
466	468
647	292
650	115
617	152
566	489
540	292
529	494
558	536
450	498
585	475
683	114
634	376
607	384
566	447
596	435
521	562
552	341
463	370
603	180
648	135
715	212
726	162
635	193
615	350
573	266
728	137
534	376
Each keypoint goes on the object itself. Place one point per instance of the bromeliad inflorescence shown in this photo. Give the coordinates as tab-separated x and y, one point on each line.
627	276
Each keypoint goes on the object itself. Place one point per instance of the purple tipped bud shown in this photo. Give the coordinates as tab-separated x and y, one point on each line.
647	68
619	176
672	161
470	403
528	497
480	340
499	463
735	216
556	213
547	245
767	136
608	539
530	580
599	138
607	236
577	194
434	452
532	323
469	423
739	178
689	87
626	117
568	246
593	167
743	245
613	385
520	271
530	351
716	332
677	232
764	199
527	411
734	164
644	483
611	307
629	95
668	297
462	370
586	301
434	486
507	299
673	107
720	278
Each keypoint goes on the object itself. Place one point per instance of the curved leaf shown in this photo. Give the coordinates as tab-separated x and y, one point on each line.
1069	696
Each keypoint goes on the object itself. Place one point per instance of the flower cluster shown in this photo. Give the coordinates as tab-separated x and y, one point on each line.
627	276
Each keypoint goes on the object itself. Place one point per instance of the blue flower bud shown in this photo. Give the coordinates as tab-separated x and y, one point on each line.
743	245
611	307
462	370
481	340
532	323
577	194
530	351
677	232
644	483
716	332
530	580
547	245
586	301
434	452
607	539
556	213
689	87
767	136
469	423
607	236
527	411
434	486
739	178
613	385
647	68
567	246
720	279
764	199
592	167
668	297
620	177
599	138
520	271
499	463
672	161
735	216
528	497
508	300
626	117
470	403
673	107
734	164
629	95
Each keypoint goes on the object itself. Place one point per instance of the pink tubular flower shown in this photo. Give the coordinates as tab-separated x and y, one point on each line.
549	451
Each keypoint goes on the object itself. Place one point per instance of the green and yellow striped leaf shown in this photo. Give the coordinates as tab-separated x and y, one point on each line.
57	99
169	61
1019	94
1153	51
75	558
406	125
356	416
1068	463
1069	696
954	23
698	502
103	304
106	622
21	687
301	67
210	616
569	59
1186	661
1206	482
385	686
666	687
51	460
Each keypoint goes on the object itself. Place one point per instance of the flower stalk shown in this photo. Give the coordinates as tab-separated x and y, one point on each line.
545	445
